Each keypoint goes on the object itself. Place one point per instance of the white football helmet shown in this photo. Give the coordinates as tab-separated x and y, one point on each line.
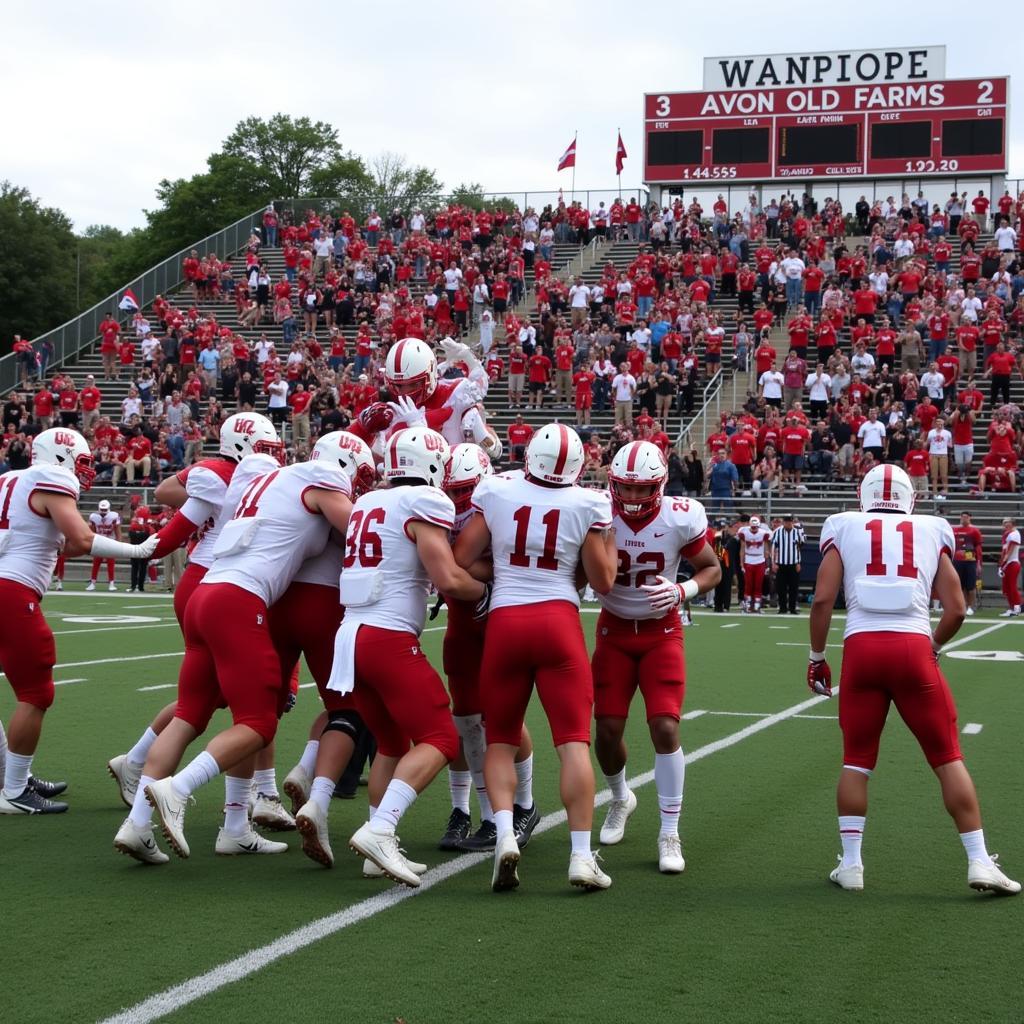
352	454
636	464
555	455
60	446
887	488
755	522
469	465
411	370
418	453
104	506
246	433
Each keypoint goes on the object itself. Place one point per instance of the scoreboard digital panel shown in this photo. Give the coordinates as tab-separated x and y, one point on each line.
842	131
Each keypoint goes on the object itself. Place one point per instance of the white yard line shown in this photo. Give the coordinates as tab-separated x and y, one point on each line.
65	682
174	998
160	686
114	661
730	625
114	629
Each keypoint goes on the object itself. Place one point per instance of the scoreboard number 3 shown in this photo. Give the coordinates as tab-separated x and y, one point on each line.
663	107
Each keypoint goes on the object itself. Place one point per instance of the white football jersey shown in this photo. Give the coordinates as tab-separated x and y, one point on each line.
271	531
1009	539
536	536
29	542
653	548
889	565
104	523
206	484
756	544
324	569
460	396
383	582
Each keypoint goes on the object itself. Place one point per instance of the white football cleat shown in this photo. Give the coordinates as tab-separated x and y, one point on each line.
252	842
586	873
58	585
850	878
297	785
370	870
1010	613
614	827
970	610
506	863
316	841
269	812
112	587
670	855
126	775
382	849
92	585
171	809
139	843
988	878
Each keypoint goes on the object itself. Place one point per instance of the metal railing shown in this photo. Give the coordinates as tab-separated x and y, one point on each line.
711	398
72	337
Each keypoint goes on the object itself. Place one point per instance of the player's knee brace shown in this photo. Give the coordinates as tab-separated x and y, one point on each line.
349	722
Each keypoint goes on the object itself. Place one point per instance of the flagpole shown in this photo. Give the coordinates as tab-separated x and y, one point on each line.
573	187
619	130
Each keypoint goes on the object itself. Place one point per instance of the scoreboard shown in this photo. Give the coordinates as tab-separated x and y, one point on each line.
903	129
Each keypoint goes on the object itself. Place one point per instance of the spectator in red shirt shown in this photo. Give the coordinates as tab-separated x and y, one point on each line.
42	407
998	473
139	452
1000	367
68	404
564	355
90	397
583	382
918	463
795	437
540	374
519	434
742	454
300	400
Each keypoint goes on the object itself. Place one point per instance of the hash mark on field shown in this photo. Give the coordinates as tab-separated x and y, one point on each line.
162	686
693	714
730	625
65	682
195	988
778	627
972	729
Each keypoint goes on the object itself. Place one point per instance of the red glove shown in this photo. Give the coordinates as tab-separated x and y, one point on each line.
819	677
376	417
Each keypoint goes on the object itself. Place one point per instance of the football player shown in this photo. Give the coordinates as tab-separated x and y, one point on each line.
463	652
396	546
539	526
283	515
754	540
39	517
454	408
1009	568
640	635
106	524
888	563
198	493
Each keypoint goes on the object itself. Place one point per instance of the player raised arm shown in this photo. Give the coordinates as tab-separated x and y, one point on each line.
79	538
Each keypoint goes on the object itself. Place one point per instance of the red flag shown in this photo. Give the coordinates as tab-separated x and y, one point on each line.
128	303
620	155
568	158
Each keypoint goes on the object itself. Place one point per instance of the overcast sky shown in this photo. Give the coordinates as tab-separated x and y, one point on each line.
103	99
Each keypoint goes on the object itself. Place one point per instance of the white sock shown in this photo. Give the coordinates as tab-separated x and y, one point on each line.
371	811
974	846
524	783
16	773
503	822
669	773
236	805
265	781
308	760
3	753
486	813
617	784
196	773
139	753
321	792
397	799
580	843
851	835
458	786
141	815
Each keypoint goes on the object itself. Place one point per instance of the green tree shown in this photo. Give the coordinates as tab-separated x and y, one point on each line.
397	184
37	265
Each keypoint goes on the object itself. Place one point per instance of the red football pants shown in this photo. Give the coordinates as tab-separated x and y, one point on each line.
753	581
1011	591
898	668
27	648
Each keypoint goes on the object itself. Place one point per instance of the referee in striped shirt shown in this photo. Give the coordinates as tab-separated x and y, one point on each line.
787	541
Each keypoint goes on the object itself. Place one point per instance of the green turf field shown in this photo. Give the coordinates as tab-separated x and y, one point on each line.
751	932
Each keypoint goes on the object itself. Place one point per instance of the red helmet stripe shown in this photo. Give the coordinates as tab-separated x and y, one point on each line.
563	449
398	357
887	483
634	451
393	451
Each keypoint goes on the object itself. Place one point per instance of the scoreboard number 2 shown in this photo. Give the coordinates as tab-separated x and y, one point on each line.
985	90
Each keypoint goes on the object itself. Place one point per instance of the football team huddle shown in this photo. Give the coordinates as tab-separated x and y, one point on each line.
334	560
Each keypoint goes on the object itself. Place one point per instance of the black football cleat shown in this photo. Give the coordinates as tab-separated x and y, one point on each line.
30	802
524	821
482	840
47	789
457	829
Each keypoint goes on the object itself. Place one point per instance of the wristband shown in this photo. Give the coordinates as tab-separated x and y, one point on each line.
816	656
689	589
